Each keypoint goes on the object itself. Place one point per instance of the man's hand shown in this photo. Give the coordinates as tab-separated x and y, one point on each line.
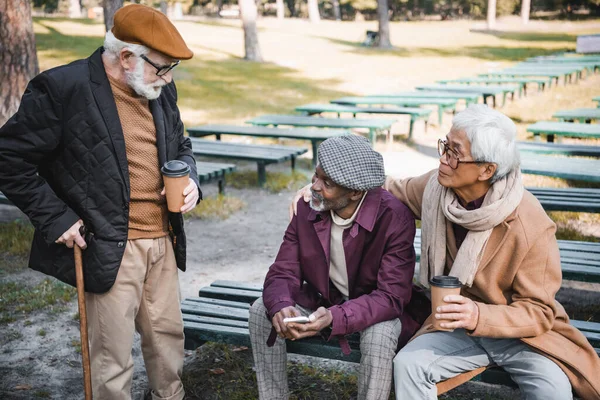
302	193
191	194
283	329
462	310
72	236
320	320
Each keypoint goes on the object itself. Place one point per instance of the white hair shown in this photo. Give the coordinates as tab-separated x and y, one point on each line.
113	46
492	136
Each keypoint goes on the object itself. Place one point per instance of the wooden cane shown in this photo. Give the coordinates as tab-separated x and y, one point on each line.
85	349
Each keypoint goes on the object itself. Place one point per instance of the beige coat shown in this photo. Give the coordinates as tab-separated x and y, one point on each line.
515	287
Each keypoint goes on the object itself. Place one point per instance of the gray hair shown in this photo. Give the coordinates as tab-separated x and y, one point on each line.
113	46
492	136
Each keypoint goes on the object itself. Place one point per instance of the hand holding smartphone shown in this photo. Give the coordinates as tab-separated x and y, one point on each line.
298	320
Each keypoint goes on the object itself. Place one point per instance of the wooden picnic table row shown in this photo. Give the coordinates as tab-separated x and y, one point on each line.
551	129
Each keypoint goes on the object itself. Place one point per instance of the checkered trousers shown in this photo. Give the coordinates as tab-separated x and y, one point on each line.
377	346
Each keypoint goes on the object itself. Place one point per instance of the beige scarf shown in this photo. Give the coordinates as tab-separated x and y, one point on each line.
440	205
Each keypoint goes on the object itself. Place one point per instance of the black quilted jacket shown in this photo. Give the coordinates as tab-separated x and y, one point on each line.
62	157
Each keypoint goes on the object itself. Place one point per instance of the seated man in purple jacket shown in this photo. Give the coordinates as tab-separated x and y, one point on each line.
346	262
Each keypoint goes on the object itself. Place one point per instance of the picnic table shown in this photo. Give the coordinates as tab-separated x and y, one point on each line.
571	129
551	75
580	169
469	98
315	136
485	91
579	114
210	171
415	113
373	125
442	104
522	82
262	155
559	148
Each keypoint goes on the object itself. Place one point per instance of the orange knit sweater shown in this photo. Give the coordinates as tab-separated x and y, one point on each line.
147	210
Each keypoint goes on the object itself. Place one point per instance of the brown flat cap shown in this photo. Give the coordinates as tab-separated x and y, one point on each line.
144	25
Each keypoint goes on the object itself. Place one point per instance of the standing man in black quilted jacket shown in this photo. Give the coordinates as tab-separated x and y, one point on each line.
85	148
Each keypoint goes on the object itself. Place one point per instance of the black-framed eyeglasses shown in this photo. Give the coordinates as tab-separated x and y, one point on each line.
451	156
161	69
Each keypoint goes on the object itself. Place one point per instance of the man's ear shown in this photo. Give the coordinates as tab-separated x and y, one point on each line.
487	172
356	195
127	60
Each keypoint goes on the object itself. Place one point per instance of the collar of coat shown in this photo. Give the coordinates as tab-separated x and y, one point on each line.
367	215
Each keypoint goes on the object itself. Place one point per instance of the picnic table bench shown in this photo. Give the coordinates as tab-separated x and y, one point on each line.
522	82
571	129
315	136
568	199
442	104
415	113
486	91
221	312
373	125
469	98
262	155
566	168
578	114
208	172
552	76
559	148
568	70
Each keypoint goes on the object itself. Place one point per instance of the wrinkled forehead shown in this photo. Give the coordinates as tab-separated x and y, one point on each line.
458	141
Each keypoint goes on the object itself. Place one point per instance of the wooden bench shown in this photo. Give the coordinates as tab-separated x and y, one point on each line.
315	136
468	98
220	314
442	104
373	125
262	155
568	199
578	114
559	148
522	82
579	169
415	113
208	172
552	76
486	91
567	70
570	129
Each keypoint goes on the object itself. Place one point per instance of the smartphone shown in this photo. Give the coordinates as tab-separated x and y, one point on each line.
299	320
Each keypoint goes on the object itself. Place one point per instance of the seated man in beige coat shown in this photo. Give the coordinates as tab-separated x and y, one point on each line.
480	225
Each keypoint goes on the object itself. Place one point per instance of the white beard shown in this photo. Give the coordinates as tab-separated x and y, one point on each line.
135	80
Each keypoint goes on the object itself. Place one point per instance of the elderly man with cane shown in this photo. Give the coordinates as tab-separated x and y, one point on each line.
86	147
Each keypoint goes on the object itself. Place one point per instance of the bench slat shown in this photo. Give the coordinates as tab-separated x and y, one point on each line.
210	310
236	285
220	302
295	120
229	294
262	131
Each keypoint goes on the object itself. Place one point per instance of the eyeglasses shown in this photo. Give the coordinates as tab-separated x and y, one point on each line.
161	69
451	156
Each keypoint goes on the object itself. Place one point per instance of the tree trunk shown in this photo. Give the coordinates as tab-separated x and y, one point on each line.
313	11
74	9
280	9
384	24
336	10
525	9
18	58
110	8
252	48
491	14
219	7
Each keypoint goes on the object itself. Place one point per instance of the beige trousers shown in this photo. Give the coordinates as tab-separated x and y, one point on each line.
146	298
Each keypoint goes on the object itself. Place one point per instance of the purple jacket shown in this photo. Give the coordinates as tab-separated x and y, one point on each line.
380	259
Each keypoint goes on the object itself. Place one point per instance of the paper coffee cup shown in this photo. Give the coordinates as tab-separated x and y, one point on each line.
176	178
442	286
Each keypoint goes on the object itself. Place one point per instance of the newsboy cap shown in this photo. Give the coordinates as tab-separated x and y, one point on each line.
144	25
350	162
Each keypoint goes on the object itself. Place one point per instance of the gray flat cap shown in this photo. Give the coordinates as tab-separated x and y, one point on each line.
350	161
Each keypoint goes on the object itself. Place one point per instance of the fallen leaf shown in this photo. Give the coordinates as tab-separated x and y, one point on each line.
217	371
23	387
241	348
